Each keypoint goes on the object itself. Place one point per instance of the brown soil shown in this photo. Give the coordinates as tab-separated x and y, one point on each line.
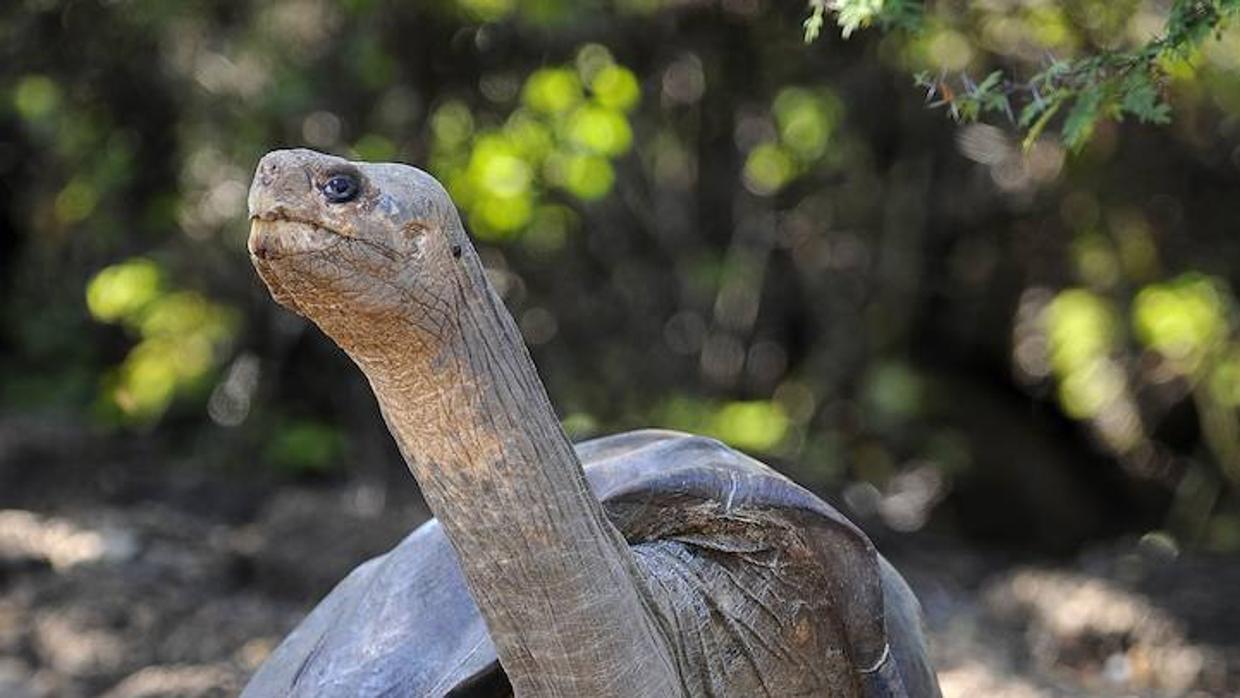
124	576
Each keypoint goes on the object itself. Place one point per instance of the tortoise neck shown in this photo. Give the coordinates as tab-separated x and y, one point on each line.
555	581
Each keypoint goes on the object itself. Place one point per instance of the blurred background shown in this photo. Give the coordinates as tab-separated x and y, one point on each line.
1019	370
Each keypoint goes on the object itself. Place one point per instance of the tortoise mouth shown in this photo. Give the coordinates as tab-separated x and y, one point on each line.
274	237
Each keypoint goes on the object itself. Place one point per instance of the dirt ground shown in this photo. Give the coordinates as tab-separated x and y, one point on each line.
125	576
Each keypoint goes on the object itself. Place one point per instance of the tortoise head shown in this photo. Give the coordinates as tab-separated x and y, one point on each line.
359	248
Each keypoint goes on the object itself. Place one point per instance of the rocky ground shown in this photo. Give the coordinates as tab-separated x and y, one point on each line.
124	576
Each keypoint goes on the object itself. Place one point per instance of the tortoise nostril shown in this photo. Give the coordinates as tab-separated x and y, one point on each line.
267	171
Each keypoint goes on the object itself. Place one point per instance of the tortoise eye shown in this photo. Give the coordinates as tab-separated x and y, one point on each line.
340	188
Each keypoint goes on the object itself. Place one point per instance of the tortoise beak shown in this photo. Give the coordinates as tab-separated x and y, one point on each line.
281	179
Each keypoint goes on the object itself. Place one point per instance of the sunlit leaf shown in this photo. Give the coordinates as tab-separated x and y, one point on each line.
587	177
452	124
1183	319
599	129
615	86
805	121
552	90
768	168
36	97
758	425
122	291
1081	327
76	201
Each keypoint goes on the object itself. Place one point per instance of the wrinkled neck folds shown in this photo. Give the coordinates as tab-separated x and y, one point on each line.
554	580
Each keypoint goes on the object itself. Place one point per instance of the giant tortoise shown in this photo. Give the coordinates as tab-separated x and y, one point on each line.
669	565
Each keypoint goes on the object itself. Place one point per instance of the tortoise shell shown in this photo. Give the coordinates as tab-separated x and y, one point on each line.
404	624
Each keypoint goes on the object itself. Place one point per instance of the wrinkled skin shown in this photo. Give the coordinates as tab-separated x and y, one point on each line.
382	258
701	598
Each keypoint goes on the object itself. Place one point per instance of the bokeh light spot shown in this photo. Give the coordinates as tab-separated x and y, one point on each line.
602	130
1182	319
552	90
35	97
768	168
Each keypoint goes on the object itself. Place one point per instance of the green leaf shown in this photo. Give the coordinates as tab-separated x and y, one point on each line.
1039	125
1141	99
991	82
1107	85
852	15
813	23
1082	118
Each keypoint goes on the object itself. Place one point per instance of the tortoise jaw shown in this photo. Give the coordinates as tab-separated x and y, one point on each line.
274	236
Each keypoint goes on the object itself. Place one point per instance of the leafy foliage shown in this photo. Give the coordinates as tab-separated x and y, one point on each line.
711	235
571	125
852	15
1109	85
182	337
806	121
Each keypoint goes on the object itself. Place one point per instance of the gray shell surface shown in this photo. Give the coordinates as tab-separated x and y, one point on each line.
404	624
